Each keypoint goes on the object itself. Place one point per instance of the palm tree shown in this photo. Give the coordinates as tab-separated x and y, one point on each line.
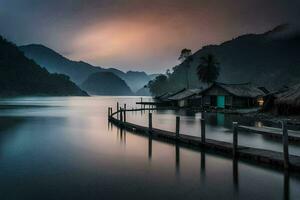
208	70
186	59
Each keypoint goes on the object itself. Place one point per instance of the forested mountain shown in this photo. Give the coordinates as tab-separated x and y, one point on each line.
143	92
106	83
22	76
79	71
270	59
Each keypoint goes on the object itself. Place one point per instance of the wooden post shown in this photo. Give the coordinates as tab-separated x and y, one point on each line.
285	141
177	126
235	139
150	122
121	115
202	131
118	108
124	112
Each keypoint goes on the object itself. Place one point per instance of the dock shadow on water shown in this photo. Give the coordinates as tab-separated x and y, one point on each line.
69	151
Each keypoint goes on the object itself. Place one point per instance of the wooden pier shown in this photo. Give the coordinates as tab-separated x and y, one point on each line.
258	156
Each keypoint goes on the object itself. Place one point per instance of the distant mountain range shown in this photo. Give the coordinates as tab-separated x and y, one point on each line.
269	59
106	83
79	71
20	76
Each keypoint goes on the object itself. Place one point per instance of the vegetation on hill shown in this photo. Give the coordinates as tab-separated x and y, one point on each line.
270	59
22	76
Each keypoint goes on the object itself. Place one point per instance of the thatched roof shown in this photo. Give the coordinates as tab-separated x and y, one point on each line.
166	96
185	94
241	90
162	95
289	97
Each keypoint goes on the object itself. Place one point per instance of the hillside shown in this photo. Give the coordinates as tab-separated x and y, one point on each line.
106	83
143	92
136	80
22	76
78	71
270	59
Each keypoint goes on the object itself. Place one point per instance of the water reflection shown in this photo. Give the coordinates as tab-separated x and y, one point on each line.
235	172
79	156
7	123
202	164
177	158
150	147
286	179
121	135
220	119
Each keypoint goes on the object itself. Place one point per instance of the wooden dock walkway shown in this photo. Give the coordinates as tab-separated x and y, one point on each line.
258	156
294	136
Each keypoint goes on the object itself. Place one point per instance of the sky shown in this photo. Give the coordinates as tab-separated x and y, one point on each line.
141	35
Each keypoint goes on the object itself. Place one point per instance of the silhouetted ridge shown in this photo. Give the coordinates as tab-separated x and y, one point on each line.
22	76
79	70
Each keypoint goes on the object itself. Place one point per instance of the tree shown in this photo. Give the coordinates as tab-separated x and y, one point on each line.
208	70
158	86
186	59
168	73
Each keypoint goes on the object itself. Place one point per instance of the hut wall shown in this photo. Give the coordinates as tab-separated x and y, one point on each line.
241	102
206	100
228	101
183	103
195	102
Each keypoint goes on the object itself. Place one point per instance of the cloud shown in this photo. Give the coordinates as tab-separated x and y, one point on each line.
137	34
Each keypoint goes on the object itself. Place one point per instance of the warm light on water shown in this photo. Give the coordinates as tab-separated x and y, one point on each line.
64	148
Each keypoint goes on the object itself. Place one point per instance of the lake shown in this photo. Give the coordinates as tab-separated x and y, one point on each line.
64	148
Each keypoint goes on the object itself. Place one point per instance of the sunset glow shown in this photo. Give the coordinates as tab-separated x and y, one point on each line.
138	35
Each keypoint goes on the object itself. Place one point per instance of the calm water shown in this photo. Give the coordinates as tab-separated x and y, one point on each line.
64	148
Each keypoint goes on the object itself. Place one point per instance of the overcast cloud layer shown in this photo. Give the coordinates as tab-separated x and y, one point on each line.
137	34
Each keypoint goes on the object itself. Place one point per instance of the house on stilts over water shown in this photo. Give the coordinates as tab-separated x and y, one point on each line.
284	102
220	96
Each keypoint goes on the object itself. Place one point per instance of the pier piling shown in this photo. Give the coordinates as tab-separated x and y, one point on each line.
150	122
177	126
118	108
202	131
121	115
124	112
235	139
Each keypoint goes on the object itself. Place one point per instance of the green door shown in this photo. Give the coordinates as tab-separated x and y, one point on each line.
221	101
